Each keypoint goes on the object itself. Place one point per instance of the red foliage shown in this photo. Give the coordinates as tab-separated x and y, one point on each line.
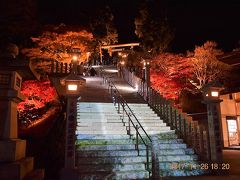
37	93
169	74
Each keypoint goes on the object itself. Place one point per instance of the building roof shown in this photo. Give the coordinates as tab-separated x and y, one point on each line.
231	58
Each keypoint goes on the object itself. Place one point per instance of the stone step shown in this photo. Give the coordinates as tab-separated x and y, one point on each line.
117	117
145	117
94	104
170	141
101	128
87	142
102	113
140	174
172	146
102	153
151	130
144	121
146	124
121	128
108	147
111	167
97	115
105	110
128	144
113	124
143	112
177	158
95	175
97	118
183	165
155	128
81	120
166	135
137	105
98	136
118	175
101	132
110	150
92	124
131	158
182	172
110	160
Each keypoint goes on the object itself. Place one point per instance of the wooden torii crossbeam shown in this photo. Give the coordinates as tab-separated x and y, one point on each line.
111	49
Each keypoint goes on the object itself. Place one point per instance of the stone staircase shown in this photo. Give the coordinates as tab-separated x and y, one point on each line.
105	151
175	158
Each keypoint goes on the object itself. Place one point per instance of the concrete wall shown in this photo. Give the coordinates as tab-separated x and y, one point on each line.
229	107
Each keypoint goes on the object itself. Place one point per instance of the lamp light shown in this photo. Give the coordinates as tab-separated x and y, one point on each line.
214	93
74	58
72	87
211	91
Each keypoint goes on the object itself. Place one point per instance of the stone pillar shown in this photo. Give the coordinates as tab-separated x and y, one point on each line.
13	164
214	130
72	94
211	99
70	132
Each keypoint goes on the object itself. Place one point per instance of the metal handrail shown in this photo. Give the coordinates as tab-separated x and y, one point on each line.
122	102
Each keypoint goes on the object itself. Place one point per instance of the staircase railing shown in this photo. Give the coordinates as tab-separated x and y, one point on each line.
122	105
194	134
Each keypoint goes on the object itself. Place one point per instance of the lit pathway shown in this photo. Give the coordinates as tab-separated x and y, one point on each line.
96	91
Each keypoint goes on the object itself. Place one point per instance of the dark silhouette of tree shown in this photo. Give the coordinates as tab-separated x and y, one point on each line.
153	29
17	18
103	28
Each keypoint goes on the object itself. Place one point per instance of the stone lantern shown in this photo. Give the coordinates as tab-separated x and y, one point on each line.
13	163
72	85
211	93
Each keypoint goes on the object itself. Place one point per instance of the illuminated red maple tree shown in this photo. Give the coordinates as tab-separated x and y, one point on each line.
170	74
37	95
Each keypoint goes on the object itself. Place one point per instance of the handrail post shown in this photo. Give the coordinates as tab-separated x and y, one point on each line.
147	156
129	124
118	100
123	110
136	146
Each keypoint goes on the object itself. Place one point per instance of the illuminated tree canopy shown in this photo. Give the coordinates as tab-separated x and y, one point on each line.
37	95
57	45
170	74
205	65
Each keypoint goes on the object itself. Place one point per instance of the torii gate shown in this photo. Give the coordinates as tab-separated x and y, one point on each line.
120	47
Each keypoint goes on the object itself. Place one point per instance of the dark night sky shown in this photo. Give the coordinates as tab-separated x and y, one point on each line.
194	21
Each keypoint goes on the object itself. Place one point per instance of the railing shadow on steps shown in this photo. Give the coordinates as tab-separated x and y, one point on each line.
192	132
123	108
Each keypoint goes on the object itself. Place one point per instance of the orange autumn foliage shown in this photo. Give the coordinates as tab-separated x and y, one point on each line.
57	45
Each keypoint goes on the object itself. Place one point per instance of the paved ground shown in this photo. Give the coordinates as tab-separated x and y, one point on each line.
96	91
